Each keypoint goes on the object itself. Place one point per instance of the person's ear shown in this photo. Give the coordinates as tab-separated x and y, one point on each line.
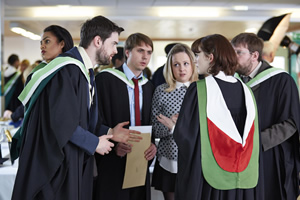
127	53
272	55
62	44
97	41
211	57
255	55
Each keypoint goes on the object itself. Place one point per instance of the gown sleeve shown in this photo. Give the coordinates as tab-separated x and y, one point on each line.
187	138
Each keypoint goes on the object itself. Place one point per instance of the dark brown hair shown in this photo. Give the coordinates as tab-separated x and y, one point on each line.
98	26
61	34
225	58
250	41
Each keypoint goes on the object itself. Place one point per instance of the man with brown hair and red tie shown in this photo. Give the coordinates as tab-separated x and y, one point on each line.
124	94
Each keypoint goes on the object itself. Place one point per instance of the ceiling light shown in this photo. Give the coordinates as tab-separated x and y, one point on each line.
64	11
296	15
251	30
188	12
63	6
16	28
240	7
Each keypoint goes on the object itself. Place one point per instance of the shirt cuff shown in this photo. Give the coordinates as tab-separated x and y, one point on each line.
172	130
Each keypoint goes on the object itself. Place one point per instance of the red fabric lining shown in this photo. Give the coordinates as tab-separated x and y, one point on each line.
230	155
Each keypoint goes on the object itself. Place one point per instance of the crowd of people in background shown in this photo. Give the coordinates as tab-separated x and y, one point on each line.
227	121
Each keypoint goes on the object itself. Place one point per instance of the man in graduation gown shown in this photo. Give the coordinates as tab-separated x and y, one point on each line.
57	135
116	104
13	84
277	100
12	67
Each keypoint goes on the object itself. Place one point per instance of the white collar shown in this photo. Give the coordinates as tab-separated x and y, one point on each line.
179	84
86	59
10	70
228	78
253	74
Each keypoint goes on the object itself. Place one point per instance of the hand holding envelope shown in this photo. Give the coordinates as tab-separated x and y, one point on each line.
136	163
122	149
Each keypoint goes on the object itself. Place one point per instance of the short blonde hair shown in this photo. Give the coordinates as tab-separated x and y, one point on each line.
168	73
25	62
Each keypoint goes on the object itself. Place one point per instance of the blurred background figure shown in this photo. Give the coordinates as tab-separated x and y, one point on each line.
12	67
268	51
119	58
147	73
28	70
25	64
13	82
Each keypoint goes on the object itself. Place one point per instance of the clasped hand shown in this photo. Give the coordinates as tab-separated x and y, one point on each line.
118	134
168	122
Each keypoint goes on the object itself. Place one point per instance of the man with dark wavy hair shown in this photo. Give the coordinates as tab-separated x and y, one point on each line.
59	128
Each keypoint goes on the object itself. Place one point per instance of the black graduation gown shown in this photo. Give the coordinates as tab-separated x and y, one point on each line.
158	77
17	88
50	166
278	100
190	183
114	108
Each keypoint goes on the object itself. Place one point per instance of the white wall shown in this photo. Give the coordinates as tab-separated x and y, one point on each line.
23	47
30	49
159	56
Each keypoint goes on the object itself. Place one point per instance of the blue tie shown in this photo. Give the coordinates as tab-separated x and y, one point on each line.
246	79
92	79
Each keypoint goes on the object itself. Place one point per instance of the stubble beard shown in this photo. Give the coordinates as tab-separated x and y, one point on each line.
244	69
101	57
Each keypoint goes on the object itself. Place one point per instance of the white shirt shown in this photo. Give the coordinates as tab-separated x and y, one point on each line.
88	65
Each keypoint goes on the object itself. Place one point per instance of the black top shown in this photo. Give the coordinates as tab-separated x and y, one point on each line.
158	77
235	100
17	88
